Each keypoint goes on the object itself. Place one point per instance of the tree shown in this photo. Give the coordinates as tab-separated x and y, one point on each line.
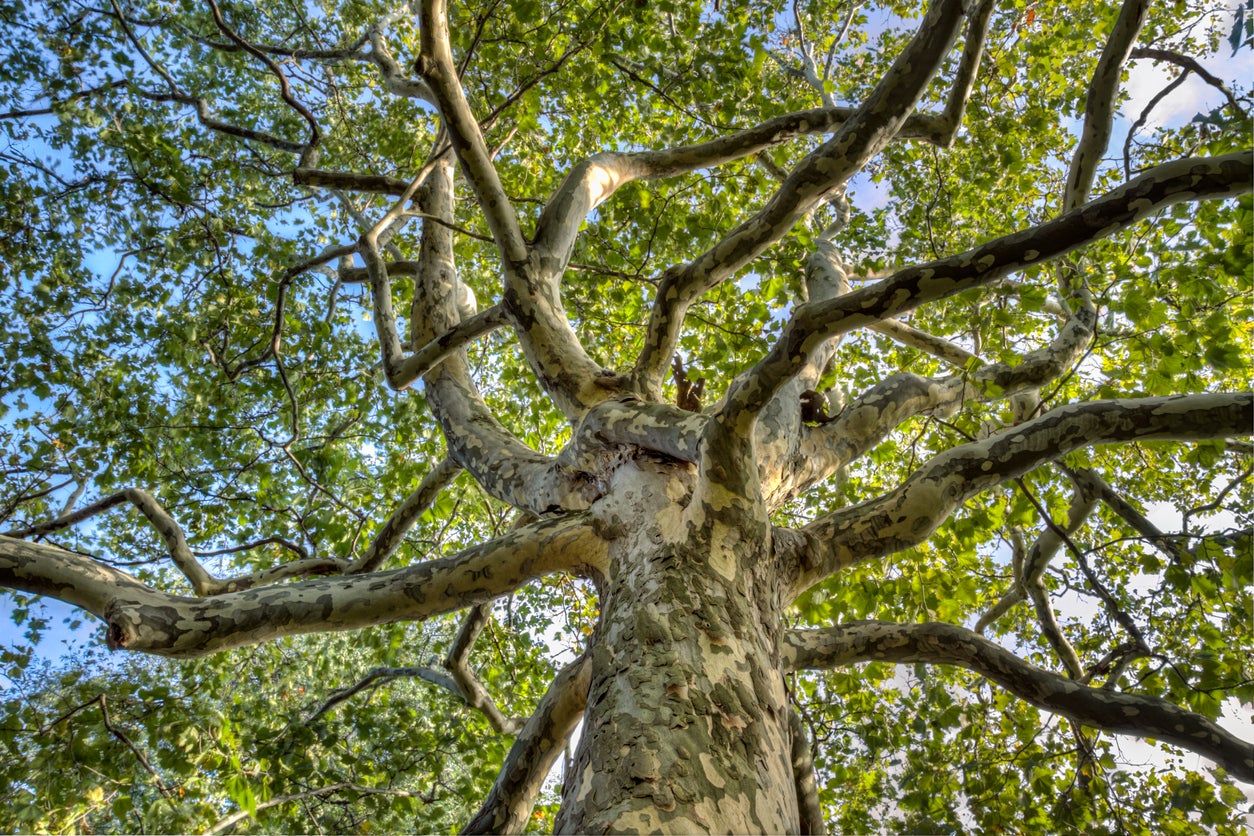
668	390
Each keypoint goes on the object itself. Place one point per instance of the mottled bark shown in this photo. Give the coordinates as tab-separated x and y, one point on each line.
687	725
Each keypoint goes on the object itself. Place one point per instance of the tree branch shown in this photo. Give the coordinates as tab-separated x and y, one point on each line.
377	677
539	743
145	619
1192	65
310	148
804	778
228	823
436	66
468	684
1099	107
1142	716
1037	559
909	514
868	130
393	531
1198	178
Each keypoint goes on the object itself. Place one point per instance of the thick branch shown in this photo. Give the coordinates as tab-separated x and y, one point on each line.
440	73
351	180
509	804
184	558
442	312
863	641
875	123
1199	178
803	775
142	618
871	416
909	514
202	582
968	68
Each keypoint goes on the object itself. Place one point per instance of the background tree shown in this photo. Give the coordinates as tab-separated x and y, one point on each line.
761	374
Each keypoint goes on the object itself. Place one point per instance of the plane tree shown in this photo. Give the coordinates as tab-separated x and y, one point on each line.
834	411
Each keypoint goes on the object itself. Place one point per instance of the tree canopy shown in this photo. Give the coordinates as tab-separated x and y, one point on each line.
290	397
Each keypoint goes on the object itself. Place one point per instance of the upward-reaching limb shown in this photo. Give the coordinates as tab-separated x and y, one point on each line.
574	380
875	123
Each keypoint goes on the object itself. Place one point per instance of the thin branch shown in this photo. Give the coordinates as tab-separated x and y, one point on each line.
381	676
228	823
57	105
1190	64
102	701
315	134
1099	107
1107	597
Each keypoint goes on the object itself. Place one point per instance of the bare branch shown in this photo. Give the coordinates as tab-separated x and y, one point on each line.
596	179
934	643
468	684
1036	560
437	68
272	540
102	701
939	347
202	582
371	183
53	107
968	68
1099	487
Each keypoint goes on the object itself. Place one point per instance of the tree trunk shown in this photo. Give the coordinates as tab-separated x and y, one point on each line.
687	724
